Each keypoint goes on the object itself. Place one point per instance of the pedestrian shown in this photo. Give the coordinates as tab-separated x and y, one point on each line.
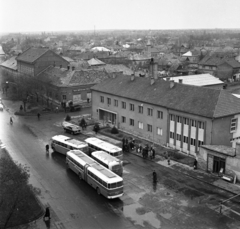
38	115
21	107
154	176
123	143
195	164
168	160
47	148
140	148
150	153
126	145
153	153
47	214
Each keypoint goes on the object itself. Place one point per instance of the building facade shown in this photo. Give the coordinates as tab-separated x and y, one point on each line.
180	116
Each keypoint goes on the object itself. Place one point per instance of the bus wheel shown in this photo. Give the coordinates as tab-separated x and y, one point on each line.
98	191
80	176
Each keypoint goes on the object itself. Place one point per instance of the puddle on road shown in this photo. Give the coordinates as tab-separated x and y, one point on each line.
136	196
137	213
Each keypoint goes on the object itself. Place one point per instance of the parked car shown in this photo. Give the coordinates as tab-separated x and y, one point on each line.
71	128
1	107
75	108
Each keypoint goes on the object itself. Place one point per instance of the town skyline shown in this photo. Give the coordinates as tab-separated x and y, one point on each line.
53	16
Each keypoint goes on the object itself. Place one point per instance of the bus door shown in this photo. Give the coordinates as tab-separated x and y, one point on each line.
85	171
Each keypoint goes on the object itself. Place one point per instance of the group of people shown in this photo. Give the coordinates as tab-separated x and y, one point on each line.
130	145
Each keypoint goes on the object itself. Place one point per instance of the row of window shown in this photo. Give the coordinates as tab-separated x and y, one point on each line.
185	139
132	107
140	125
186	121
63	145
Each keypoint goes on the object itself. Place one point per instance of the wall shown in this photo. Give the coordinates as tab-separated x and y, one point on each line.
135	115
221	131
47	59
25	68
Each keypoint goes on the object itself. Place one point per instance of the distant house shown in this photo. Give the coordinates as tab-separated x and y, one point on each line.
34	60
224	67
64	85
94	62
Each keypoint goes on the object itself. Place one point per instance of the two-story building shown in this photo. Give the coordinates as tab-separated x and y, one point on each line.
181	116
35	60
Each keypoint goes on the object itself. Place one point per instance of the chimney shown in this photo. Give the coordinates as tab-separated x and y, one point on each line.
171	84
73	68
152	80
68	67
132	77
180	80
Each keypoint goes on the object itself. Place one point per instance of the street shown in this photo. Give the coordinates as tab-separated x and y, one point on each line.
176	201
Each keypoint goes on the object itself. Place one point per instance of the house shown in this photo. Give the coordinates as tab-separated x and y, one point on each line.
34	60
174	114
202	80
10	66
64	85
94	62
224	67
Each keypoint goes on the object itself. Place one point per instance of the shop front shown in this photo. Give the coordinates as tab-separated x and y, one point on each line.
107	117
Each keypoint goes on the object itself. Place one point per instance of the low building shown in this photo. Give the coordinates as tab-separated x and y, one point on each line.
10	67
174	114
65	85
220	160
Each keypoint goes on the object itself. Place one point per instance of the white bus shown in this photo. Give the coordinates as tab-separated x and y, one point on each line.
96	144
108	161
102	179
63	144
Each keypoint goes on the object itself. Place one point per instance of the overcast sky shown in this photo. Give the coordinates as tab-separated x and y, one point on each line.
57	15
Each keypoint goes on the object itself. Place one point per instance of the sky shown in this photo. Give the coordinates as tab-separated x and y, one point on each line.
75	15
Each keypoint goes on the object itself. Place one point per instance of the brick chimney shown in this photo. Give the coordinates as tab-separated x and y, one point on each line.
153	69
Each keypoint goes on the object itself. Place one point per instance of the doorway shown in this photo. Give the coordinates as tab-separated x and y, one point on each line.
218	163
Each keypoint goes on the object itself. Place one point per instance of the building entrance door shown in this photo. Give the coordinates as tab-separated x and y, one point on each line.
218	163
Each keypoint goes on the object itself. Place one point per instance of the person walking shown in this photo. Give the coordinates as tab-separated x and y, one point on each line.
38	115
153	153
195	164
154	176
47	148
47	214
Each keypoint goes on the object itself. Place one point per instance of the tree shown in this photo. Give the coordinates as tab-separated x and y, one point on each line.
15	192
114	130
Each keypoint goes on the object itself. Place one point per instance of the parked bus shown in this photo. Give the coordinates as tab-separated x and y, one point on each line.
108	161
96	144
63	144
102	179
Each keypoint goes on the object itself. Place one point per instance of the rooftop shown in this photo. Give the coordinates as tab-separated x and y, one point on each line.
66	78
10	63
32	54
226	150
207	102
197	80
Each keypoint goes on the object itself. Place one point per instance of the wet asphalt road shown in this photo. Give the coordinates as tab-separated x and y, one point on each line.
177	201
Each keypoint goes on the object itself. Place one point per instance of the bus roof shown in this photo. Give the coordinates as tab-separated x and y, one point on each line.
105	157
104	145
104	173
70	141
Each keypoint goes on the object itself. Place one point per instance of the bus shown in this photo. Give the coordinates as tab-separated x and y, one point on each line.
100	178
62	144
96	144
108	161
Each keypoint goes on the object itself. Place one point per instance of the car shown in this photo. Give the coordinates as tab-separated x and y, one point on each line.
71	128
1	107
75	108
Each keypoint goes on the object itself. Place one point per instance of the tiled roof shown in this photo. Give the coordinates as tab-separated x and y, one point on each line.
10	63
229	151
201	101
66	78
32	54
